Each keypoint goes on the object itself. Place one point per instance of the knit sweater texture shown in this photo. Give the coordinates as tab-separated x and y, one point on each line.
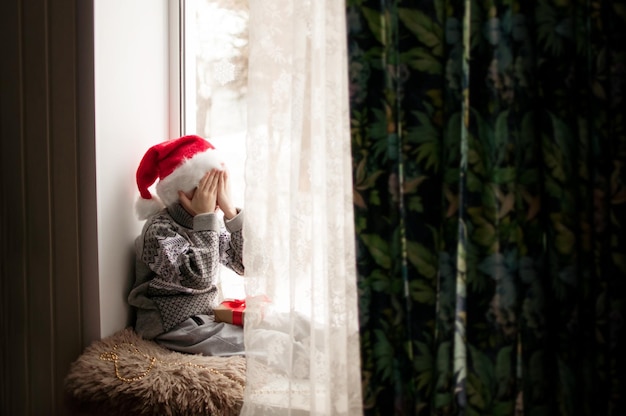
177	264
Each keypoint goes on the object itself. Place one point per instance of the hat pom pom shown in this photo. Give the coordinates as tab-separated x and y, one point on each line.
145	208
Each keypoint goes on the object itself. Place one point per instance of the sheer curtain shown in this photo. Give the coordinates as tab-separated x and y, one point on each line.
301	329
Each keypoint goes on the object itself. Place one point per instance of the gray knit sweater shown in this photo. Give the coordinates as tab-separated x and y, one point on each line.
177	261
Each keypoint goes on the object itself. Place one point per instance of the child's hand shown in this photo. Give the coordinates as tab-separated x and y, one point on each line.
223	196
204	198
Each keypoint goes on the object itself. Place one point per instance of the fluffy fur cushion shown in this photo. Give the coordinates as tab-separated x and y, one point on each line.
126	375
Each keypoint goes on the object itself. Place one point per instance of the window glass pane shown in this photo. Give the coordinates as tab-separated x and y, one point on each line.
215	52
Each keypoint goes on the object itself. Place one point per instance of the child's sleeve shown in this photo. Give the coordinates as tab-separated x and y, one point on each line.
231	243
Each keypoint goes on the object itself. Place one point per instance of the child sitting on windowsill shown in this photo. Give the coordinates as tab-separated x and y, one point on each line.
182	244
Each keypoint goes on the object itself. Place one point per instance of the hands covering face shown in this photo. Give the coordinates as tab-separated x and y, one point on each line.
211	193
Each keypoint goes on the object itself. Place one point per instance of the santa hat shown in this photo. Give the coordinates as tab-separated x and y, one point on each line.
178	164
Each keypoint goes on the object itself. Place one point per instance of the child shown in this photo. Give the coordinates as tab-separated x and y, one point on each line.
181	247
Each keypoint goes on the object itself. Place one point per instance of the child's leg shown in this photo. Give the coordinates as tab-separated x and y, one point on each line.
287	343
200	334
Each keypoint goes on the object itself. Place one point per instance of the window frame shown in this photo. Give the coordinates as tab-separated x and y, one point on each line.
176	47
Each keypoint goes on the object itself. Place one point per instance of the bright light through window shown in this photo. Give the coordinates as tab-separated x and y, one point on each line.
215	50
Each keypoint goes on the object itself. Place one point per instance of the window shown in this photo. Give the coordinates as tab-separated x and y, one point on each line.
213	67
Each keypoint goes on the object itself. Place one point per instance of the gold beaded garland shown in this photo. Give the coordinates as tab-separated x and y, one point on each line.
114	357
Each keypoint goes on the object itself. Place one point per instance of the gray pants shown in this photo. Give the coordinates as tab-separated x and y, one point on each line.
200	334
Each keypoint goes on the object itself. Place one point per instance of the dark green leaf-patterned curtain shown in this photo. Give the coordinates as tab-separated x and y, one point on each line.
489	150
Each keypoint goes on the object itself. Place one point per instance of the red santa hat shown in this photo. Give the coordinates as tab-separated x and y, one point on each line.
178	164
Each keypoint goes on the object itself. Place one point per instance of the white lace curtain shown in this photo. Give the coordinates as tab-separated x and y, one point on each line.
302	345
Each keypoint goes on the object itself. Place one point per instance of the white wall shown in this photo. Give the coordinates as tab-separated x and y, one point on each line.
132	113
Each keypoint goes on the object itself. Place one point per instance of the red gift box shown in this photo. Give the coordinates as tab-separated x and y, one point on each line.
231	311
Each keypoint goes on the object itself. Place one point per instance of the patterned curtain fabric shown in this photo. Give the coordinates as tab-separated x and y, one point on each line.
489	160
